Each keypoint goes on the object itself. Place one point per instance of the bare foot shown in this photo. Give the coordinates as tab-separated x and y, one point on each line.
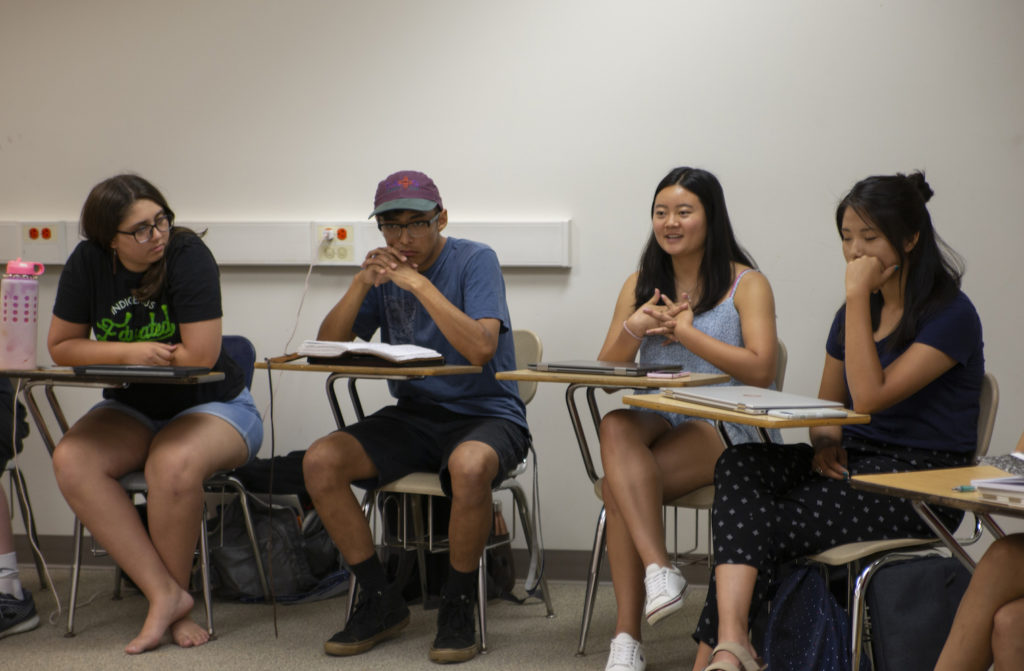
188	634
163	611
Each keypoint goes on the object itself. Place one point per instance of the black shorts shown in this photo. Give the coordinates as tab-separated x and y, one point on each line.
417	437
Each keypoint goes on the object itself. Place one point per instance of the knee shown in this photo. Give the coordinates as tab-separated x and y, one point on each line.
1007	625
472	468
174	471
323	465
67	467
614	429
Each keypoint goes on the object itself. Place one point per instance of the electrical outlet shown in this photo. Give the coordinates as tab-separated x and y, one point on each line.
44	241
333	244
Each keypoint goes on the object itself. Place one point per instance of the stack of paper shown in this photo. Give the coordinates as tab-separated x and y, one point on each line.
1005	490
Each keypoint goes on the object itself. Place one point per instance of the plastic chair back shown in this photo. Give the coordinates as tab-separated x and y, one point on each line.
240	349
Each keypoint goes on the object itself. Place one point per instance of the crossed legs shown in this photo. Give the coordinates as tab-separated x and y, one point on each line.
106	444
646	463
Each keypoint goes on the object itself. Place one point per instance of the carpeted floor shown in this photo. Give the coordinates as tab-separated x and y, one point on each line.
519	637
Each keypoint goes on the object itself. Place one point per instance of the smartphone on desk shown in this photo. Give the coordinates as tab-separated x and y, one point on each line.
668	374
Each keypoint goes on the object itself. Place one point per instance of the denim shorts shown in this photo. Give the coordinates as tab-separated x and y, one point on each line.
240	412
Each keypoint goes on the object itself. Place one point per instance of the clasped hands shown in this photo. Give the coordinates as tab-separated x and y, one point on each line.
387	264
660	315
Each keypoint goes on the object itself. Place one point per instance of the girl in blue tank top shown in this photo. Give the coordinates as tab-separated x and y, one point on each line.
694	301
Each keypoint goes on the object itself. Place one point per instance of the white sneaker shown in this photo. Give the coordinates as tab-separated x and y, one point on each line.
626	654
665	586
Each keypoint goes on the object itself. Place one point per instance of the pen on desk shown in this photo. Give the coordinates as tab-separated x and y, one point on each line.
963	488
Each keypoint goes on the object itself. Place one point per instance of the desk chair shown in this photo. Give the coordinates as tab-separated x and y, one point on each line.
697	500
414	487
877	554
242	352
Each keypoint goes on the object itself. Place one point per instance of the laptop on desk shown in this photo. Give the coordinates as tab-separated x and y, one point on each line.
753	400
139	370
623	368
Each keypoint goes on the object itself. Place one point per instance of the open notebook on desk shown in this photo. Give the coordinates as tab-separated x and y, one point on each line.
758	401
366	353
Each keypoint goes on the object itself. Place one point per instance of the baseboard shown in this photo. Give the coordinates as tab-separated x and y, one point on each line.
558	564
58	551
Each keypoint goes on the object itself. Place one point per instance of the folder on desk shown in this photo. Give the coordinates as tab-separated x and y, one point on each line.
745	398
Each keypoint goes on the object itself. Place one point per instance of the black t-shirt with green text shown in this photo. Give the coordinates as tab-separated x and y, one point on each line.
91	292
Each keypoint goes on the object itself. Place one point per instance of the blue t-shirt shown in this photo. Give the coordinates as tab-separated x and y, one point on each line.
943	415
469	276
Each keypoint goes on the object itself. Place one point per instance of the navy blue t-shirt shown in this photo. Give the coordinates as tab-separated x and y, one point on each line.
469	276
943	415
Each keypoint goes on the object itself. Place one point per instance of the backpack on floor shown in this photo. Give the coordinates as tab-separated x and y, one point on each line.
807	628
911	605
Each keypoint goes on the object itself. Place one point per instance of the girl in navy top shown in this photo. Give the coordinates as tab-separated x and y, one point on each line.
906	347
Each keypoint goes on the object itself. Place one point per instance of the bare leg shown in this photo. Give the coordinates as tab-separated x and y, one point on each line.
997	581
735	585
473	466
646	463
181	457
96	451
330	467
1008	636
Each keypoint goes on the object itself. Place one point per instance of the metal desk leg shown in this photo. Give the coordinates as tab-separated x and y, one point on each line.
939	530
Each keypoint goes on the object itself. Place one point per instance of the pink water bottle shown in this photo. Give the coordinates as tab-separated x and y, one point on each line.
19	309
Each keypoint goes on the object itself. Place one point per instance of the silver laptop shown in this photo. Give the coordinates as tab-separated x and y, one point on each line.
743	398
626	368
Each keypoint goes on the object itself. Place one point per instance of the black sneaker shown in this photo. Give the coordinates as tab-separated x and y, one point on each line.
17	616
456	632
377	617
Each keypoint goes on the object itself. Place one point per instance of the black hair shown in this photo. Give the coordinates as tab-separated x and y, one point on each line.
896	206
720	246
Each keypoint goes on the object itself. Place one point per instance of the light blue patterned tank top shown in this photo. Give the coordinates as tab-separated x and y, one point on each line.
722	322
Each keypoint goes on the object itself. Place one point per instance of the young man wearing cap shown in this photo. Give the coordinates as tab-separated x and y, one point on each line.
447	294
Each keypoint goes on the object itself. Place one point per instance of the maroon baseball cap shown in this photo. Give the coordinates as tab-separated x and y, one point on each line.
406	190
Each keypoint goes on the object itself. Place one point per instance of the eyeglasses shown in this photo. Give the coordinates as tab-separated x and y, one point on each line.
416	229
144	232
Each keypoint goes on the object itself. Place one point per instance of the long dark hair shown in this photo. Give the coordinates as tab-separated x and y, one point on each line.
896	206
720	246
104	209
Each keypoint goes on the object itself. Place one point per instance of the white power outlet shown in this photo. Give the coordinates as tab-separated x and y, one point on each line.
44	242
333	244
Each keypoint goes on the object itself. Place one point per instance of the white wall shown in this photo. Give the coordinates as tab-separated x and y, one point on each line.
263	111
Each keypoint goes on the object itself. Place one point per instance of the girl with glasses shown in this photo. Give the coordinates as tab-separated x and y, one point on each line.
148	293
